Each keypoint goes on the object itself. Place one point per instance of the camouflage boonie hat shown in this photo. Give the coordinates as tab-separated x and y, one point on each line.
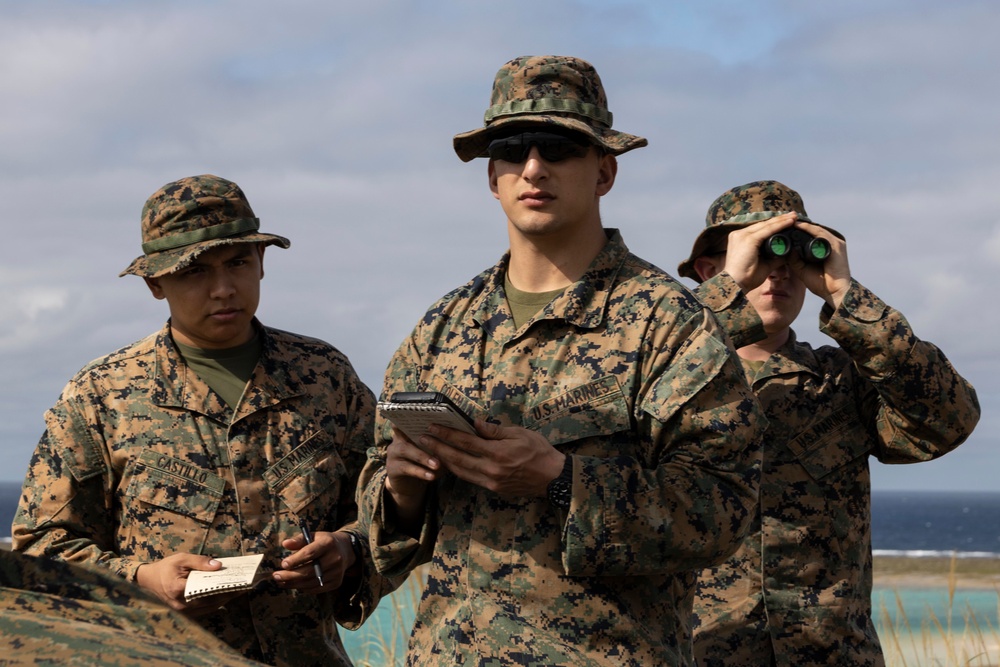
185	218
740	207
547	90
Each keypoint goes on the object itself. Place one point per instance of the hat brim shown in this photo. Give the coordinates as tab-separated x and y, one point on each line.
168	261
709	235
472	144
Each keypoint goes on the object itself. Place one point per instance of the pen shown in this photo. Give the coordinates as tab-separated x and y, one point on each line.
308	538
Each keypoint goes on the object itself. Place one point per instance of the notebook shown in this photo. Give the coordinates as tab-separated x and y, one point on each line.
238	573
413	412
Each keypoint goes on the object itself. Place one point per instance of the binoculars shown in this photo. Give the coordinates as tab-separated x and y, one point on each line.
811	248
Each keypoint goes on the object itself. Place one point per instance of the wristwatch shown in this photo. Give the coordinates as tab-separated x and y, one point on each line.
560	489
359	555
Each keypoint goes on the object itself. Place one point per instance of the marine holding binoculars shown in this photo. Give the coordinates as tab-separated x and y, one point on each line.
798	591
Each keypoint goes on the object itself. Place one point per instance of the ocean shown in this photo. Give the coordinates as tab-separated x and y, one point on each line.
904	524
924	523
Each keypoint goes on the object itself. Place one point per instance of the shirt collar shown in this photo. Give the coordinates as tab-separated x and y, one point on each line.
582	303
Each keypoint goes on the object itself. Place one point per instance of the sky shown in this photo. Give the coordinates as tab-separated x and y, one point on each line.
336	119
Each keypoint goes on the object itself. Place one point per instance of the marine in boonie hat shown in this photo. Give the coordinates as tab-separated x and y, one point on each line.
185	218
547	90
743	206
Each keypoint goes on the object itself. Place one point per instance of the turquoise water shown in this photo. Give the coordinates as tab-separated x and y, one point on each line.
929	609
382	640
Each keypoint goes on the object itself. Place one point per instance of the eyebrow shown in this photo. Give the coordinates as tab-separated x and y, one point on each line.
240	253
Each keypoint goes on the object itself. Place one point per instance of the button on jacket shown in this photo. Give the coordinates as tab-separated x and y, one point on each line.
140	460
801	583
626	372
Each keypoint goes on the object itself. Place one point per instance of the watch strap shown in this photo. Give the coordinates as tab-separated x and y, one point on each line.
560	489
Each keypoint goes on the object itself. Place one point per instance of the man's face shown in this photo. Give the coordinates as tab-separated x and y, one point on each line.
541	196
778	300
213	300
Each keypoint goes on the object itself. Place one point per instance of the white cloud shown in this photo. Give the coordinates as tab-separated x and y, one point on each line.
22	314
337	118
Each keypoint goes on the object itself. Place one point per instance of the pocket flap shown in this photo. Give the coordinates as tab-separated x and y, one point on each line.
175	485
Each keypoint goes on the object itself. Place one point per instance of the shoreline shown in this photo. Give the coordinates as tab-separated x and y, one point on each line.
936	572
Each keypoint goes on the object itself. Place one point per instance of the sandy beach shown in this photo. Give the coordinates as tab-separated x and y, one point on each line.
934	572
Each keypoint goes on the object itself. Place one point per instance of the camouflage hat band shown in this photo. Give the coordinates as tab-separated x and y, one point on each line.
223	230
549	105
744	219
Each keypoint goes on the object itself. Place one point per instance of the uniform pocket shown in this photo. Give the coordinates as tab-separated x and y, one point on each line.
311	474
830	444
593	409
168	506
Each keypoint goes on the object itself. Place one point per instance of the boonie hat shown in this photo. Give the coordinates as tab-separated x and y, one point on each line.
547	90
740	207
185	218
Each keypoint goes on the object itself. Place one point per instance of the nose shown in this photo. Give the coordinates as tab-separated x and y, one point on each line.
779	271
222	285
535	168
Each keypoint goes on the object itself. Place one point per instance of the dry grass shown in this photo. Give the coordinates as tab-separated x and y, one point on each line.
937	643
386	646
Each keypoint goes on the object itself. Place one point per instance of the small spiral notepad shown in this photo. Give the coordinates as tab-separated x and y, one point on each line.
414	418
238	573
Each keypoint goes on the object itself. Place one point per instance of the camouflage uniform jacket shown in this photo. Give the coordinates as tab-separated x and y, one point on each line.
54	613
800	586
629	374
140	460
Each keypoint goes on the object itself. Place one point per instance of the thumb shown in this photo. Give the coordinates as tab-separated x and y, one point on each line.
207	563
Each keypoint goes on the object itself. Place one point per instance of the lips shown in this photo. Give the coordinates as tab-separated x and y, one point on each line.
225	314
536	196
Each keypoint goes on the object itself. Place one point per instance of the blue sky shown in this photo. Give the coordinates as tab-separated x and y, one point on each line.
336	118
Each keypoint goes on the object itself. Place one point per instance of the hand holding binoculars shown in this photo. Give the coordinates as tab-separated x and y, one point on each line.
811	248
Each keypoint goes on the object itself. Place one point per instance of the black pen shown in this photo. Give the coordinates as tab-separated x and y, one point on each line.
308	538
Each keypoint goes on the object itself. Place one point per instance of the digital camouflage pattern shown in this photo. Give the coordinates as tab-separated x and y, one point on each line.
626	372
799	589
140	460
547	90
743	206
54	613
188	216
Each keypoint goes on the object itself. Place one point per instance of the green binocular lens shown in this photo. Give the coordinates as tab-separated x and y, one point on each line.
811	248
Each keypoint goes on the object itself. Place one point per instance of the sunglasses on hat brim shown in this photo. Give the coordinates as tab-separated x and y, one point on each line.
551	147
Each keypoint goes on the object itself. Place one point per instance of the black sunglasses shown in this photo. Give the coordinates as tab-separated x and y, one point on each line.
551	147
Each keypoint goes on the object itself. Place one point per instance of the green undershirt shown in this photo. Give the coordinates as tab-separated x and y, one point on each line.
225	371
525	305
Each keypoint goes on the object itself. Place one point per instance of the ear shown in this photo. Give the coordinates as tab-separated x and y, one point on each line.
154	287
260	251
607	171
491	170
706	267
